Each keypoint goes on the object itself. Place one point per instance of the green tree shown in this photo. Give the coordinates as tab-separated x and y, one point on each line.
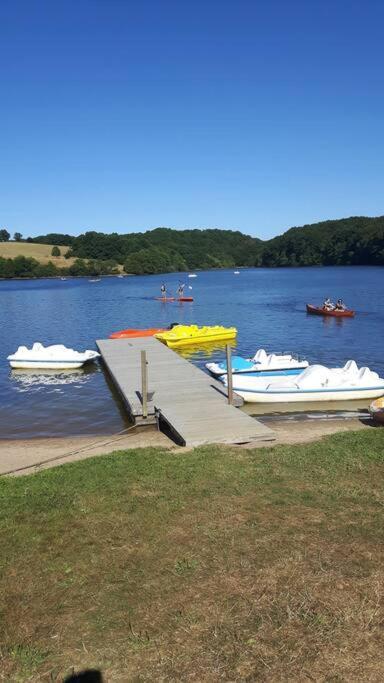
79	267
55	251
17	236
4	235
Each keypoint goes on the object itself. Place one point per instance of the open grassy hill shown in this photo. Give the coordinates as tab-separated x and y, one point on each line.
40	252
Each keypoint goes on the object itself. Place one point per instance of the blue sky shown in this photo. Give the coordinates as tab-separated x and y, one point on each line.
122	116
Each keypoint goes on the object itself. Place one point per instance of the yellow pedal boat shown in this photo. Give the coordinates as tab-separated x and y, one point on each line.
183	335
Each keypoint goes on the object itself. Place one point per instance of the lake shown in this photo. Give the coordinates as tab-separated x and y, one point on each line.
266	305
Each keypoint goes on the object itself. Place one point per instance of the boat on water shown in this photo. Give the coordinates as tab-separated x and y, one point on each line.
165	298
55	357
174	298
184	335
262	363
333	312
236	272
192	275
376	410
316	383
132	333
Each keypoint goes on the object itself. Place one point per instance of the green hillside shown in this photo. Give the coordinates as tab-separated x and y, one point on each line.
349	241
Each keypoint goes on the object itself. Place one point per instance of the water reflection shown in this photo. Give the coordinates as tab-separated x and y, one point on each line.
204	352
29	380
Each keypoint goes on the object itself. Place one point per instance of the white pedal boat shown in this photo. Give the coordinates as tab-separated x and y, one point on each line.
56	357
262	364
316	383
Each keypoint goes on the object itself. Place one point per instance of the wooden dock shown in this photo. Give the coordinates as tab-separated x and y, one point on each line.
192	404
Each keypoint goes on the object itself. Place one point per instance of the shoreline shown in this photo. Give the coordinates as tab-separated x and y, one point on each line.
26	456
67	277
197	270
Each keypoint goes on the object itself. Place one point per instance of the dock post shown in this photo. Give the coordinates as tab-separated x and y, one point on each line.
229	374
144	383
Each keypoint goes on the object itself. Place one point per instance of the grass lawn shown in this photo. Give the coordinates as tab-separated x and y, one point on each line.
219	564
40	252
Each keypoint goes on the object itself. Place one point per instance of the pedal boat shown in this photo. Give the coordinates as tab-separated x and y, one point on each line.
334	312
184	335
132	333
56	357
262	364
316	383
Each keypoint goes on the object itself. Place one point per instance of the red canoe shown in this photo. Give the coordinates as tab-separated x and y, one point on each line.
124	334
319	310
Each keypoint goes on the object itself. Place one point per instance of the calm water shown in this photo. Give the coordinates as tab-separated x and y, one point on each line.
266	305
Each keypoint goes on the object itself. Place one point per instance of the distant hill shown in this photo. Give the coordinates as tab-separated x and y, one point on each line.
40	252
357	240
164	249
29	259
349	241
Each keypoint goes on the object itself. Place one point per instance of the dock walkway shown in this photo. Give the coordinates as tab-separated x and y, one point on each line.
193	405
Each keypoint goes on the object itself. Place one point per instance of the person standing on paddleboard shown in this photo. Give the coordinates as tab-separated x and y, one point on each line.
163	291
180	290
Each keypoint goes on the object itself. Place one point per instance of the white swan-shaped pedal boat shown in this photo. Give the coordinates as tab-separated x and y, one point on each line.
55	357
316	383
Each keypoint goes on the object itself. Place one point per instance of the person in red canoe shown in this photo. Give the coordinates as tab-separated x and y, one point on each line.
329	305
340	305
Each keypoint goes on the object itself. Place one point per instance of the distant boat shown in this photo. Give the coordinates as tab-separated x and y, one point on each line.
192	275
63	279
236	272
96	279
120	275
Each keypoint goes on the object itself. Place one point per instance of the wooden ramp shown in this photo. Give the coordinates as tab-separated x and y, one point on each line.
193	405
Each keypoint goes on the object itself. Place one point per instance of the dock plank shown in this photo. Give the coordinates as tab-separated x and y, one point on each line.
193	404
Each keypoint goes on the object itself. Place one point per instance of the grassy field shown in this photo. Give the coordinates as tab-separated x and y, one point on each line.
40	252
213	565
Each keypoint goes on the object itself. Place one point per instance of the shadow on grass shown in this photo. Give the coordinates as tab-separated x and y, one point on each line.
88	676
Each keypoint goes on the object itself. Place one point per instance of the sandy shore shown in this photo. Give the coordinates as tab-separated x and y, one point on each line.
32	455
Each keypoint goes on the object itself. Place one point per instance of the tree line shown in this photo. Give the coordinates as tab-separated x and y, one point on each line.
23	266
349	241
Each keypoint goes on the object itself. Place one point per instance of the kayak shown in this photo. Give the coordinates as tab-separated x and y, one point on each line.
185	298
335	313
184	335
127	334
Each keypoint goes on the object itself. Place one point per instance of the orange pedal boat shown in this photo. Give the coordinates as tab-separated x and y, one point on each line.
130	334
